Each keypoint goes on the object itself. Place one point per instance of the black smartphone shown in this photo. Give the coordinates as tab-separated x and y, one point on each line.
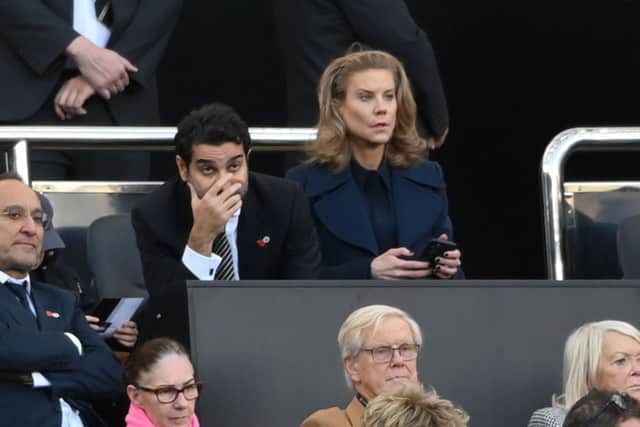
436	248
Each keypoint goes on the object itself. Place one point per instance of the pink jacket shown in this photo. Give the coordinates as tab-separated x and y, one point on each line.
138	418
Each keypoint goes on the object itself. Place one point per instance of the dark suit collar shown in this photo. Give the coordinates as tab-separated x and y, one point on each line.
342	209
15	309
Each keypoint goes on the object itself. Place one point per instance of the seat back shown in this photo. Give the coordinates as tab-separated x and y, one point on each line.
629	247
113	257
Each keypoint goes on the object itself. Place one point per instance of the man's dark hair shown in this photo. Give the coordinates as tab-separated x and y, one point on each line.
213	124
6	176
602	409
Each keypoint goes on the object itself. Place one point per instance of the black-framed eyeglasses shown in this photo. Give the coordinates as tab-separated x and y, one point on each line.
17	214
618	401
384	354
170	394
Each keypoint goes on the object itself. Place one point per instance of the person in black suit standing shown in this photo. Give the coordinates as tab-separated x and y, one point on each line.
51	362
79	63
218	221
312	33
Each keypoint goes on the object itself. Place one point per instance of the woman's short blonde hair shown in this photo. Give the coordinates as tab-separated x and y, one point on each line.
332	148
413	407
352	331
582	353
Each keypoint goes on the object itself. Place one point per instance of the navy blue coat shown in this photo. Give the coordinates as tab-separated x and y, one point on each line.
344	227
29	345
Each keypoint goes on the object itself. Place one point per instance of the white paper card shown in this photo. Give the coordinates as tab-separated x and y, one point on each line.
122	312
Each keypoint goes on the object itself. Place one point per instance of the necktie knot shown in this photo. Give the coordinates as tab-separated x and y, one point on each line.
20	291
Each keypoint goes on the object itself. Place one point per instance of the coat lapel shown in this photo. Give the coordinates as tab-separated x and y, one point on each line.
49	316
416	204
250	230
341	207
14	308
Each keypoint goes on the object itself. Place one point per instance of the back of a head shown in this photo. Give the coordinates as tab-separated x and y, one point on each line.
602	409
413	407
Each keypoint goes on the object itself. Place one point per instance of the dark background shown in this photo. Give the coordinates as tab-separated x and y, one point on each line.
515	74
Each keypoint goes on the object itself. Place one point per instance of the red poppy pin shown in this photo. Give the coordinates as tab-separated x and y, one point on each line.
264	241
52	314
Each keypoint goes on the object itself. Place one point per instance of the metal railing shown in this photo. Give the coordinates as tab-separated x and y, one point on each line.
18	140
553	161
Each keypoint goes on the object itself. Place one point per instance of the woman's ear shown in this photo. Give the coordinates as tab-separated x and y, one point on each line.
134	394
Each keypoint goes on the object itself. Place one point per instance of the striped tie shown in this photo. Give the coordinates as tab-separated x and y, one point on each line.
103	12
222	248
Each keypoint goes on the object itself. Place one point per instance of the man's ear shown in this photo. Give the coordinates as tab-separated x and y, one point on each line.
183	168
134	394
249	153
353	369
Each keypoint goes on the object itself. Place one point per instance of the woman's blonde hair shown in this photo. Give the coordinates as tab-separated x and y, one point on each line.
582	353
413	407
331	148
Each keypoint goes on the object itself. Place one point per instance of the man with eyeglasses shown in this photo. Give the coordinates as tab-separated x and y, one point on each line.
379	345
51	362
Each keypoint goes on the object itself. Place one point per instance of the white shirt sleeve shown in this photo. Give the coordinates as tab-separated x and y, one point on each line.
39	380
203	267
75	341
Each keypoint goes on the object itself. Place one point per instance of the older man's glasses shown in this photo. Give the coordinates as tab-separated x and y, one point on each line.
170	394
384	354
617	401
20	215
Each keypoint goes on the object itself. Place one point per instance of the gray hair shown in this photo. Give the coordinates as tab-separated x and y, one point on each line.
351	334
582	353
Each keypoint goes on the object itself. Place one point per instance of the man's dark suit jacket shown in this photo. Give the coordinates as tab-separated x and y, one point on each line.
35	33
342	218
29	345
312	33
272	207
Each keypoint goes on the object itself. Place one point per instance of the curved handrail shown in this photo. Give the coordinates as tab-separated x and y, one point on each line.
17	139
552	174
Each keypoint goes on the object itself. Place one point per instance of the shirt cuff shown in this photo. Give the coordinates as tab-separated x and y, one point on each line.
39	380
75	341
203	267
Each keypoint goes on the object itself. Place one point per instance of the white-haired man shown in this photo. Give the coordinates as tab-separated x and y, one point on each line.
379	345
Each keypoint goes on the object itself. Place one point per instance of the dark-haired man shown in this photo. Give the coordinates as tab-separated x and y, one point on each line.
218	221
51	362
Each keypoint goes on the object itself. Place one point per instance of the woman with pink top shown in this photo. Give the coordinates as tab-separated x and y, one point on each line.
161	386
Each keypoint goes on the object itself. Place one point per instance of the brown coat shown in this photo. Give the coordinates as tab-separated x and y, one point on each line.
336	417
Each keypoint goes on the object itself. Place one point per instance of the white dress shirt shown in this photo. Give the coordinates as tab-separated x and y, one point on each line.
204	267
86	22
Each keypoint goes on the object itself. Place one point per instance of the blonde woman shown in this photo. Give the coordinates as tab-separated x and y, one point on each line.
413	407
601	355
376	200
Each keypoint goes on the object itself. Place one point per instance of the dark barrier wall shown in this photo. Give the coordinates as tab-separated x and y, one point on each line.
267	351
515	74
